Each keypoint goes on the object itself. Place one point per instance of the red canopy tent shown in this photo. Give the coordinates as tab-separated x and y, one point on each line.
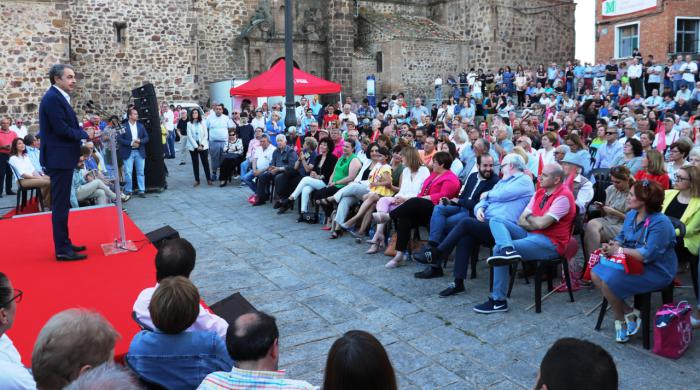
271	83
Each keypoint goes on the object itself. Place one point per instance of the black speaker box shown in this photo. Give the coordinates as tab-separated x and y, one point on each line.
158	237
146	103
232	307
143	91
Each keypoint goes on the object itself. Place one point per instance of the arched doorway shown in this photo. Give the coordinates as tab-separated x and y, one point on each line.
280	59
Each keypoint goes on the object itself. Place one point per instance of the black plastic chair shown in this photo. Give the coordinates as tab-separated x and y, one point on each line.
602	181
642	302
25	193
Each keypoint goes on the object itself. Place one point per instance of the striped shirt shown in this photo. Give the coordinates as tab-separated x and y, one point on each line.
238	379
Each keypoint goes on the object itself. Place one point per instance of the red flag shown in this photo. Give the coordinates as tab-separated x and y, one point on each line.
570	181
661	135
539	172
297	147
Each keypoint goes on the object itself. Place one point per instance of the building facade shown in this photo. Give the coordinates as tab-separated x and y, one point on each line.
662	28
181	47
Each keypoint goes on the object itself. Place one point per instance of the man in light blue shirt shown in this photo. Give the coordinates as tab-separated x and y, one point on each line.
419	111
507	199
33	144
552	73
608	152
654	100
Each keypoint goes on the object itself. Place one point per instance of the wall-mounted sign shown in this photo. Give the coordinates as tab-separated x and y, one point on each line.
614	8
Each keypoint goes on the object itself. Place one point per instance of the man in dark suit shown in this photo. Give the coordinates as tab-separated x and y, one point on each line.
132	151
61	137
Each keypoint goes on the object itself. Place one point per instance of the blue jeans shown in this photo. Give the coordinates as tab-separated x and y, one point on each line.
438	94
245	165
247	178
531	246
677	85
444	218
134	159
690	85
170	145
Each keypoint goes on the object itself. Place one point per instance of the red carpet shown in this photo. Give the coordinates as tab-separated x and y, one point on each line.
108	285
31	208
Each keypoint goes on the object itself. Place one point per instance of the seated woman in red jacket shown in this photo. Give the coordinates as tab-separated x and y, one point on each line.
417	211
653	169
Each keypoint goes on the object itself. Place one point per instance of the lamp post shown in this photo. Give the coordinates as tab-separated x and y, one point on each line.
290	116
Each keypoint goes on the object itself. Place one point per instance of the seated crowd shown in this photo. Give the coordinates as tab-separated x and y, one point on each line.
183	345
520	181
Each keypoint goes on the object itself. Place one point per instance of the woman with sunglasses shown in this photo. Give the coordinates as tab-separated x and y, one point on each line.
683	203
13	375
647	241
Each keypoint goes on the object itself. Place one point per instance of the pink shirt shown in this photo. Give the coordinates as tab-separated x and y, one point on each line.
6	139
205	320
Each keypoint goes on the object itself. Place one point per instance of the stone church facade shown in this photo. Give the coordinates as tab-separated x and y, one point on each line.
183	46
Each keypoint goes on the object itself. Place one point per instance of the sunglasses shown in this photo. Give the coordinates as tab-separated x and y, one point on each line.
17	297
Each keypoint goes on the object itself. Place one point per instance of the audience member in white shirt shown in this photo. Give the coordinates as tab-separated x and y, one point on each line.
28	177
13	375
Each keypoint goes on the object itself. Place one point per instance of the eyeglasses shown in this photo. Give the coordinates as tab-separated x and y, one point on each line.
680	178
610	133
17	297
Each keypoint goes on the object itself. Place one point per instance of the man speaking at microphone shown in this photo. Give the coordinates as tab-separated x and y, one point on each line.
60	151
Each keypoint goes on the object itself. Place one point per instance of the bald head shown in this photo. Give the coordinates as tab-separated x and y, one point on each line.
253	338
552	176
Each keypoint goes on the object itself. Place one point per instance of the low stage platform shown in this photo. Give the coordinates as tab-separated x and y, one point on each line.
106	284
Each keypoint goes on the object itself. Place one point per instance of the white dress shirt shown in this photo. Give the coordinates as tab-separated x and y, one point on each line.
13	375
634	71
65	95
133	127
23	165
263	157
169	120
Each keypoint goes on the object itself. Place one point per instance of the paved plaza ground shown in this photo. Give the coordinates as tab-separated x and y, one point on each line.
319	288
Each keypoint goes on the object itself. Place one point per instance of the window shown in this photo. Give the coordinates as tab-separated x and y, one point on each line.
120	32
687	32
627	39
380	62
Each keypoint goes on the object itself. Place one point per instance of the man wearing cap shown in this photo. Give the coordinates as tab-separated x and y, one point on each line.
573	164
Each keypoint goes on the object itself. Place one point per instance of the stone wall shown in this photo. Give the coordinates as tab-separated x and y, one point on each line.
341	42
182	47
157	47
33	37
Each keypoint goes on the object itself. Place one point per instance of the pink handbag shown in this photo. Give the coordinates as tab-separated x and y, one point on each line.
672	330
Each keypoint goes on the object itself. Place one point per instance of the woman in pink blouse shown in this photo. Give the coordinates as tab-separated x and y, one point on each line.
414	212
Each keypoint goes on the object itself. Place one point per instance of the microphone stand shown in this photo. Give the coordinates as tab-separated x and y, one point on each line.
120	244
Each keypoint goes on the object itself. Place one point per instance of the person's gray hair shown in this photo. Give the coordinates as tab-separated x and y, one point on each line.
694	152
265	136
107	376
57	71
563	148
280	138
515	160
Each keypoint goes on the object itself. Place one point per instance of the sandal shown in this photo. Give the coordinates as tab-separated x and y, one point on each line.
335	234
633	326
375	248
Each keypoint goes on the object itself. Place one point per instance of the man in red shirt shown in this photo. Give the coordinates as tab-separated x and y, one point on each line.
542	233
6	138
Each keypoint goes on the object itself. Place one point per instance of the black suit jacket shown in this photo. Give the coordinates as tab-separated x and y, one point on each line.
470	196
60	131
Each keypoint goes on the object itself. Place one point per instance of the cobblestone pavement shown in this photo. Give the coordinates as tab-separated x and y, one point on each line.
319	288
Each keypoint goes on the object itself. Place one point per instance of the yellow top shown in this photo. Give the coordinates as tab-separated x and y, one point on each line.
691	219
376	176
